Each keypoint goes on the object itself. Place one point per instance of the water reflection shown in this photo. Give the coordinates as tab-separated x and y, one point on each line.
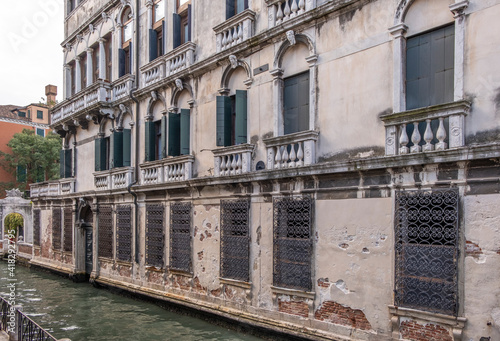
80	312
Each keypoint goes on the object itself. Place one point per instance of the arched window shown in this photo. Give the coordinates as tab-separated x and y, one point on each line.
182	23
124	53
157	31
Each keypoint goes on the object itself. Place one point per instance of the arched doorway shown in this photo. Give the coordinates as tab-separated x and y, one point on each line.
86	220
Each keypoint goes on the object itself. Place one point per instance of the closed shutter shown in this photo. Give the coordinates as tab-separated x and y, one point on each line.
163	145
241	117
185	131
117	149
21	174
223	128
174	134
61	163
150	141
130	60
189	23
176	30
430	62
153	46
100	154
67	163
126	147
296	103
164	37
121	62
230	10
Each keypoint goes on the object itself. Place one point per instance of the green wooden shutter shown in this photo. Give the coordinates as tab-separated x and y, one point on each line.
117	149
303	95
127	139
163	144
241	117
121	63
176	30
67	163
189	22
185	131
223	128
61	164
174	134
150	141
97	154
153	46
296	103
21	173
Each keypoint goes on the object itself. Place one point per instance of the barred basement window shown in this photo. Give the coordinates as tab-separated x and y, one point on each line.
155	238
180	236
68	229
36	227
426	231
105	232
56	229
123	233
293	243
235	238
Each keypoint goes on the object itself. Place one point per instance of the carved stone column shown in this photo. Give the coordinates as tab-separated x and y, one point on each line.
89	66
458	10
102	58
399	60
78	75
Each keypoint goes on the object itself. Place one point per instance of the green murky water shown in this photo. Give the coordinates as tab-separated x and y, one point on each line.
81	312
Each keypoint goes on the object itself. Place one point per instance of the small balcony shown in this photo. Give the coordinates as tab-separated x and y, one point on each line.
233	160
122	86
436	128
153	72
280	11
52	188
179	168
292	150
99	92
118	178
179	58
234	30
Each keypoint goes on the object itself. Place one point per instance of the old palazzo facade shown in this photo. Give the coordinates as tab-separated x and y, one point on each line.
328	169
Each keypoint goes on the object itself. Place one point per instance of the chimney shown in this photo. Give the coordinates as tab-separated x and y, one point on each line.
51	93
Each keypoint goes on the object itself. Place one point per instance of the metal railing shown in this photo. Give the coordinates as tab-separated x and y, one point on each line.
27	329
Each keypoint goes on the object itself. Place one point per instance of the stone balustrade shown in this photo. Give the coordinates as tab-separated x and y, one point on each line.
280	11
117	178
75	105
173	169
179	58
234	30
52	188
434	128
292	150
233	160
153	72
122	86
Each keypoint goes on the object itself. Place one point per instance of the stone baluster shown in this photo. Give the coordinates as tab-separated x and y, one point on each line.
441	136
300	155
415	138
238	164
293	156
277	160
428	136
284	158
302	7
240	33
223	165
403	140
279	14
233	165
287	10
294	8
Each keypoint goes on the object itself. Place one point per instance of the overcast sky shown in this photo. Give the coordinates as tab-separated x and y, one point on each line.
31	33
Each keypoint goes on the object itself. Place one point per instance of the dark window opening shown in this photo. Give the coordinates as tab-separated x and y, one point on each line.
39	114
180	236
105	234
296	103
234	7
155	238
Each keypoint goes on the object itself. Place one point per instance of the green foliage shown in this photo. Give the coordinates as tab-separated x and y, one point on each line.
12	222
39	155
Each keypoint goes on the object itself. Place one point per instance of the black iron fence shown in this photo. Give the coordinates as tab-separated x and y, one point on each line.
13	321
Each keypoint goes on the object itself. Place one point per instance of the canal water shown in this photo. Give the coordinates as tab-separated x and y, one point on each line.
81	312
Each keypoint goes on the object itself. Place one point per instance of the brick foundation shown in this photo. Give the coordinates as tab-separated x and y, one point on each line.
336	313
411	330
299	308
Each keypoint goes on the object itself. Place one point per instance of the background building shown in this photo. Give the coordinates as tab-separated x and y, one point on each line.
328	169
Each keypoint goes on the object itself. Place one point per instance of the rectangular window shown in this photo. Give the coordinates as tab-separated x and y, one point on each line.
95	64
83	70
426	227
124	233
21	114
179	133
109	59
65	162
105	231
234	7
21	173
40	132
39	114
232	119
68	229
36	227
293	243
296	103
102	157
235	239
430	63
180	236
155	238
182	23
56	229
158	11
158	140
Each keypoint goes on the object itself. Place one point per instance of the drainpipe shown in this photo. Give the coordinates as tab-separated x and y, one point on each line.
137	109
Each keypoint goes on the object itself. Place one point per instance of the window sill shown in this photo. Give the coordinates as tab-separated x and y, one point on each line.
180	272
236	283
293	292
154	269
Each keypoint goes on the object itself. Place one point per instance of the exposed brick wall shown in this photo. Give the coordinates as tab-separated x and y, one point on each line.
472	249
336	313
299	308
411	330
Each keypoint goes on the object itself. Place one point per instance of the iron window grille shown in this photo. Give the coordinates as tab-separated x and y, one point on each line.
56	228
235	239
180	236
123	233
36	227
155	238
426	235
293	243
105	232
68	229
